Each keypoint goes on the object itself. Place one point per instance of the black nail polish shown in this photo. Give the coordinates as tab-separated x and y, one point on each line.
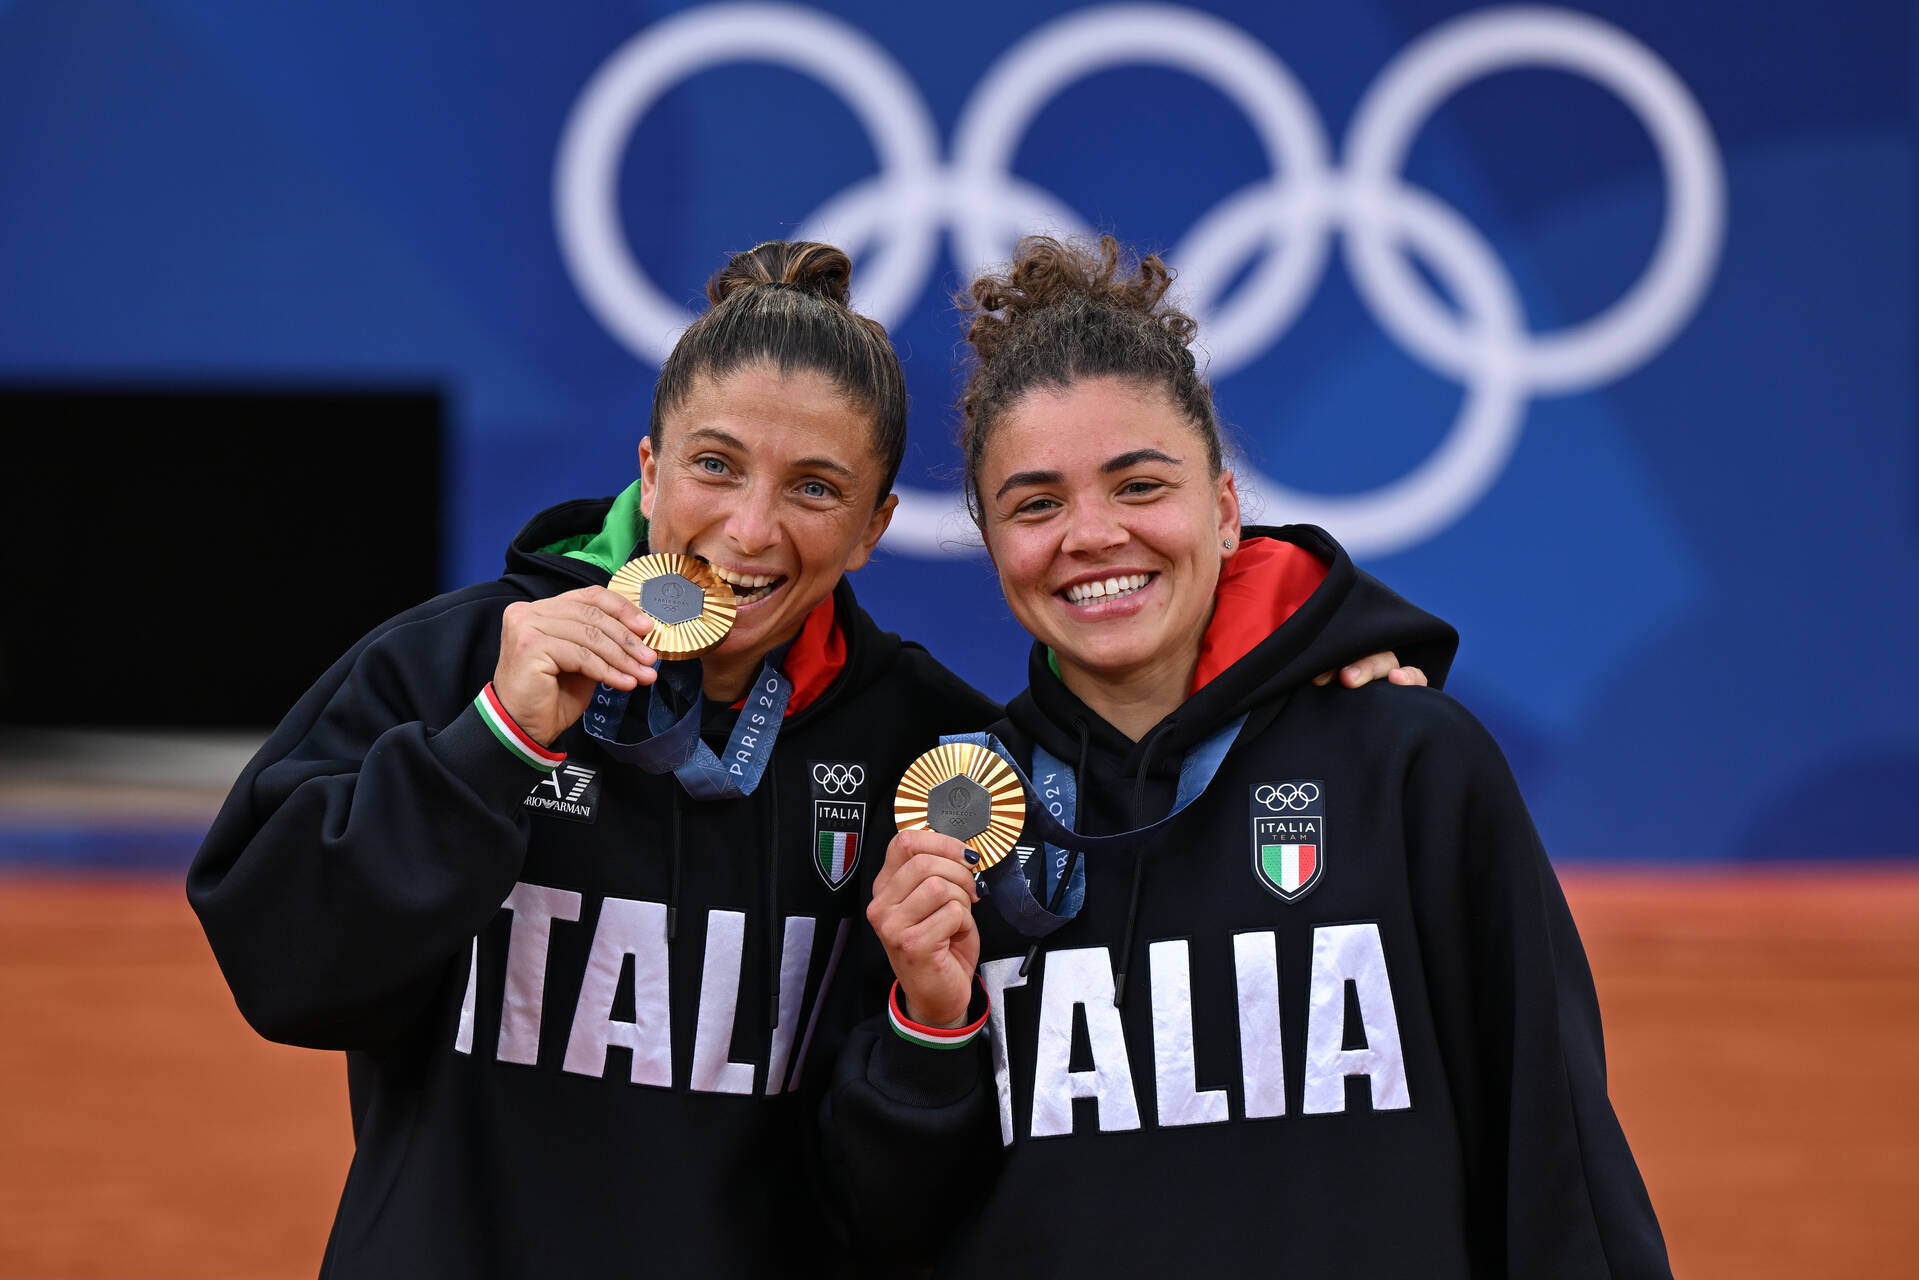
972	859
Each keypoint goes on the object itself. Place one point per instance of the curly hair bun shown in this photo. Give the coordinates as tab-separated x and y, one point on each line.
1046	273
818	269
1062	311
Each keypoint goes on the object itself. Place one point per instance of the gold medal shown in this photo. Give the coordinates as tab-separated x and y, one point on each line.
967	792
691	607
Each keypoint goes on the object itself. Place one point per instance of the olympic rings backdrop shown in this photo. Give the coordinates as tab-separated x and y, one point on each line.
1589	329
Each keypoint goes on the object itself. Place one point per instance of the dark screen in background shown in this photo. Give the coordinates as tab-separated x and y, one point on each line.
199	557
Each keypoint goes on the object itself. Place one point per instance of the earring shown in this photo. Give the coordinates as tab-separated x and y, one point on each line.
1228	544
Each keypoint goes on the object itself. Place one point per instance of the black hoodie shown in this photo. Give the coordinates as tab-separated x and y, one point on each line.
1333	1020
552	1087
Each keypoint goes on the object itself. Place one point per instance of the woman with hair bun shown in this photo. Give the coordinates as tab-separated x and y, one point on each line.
581	1001
1288	986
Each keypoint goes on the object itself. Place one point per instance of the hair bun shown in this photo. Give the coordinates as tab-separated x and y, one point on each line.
815	268
1047	273
1061	311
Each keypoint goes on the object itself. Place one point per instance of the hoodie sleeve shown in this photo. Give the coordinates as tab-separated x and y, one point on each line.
370	839
911	1132
908	1131
1418	638
1553	1188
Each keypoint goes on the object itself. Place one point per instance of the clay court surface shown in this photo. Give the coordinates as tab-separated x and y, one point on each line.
1763	1034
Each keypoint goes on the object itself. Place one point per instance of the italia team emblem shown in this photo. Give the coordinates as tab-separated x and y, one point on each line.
839	820
1289	836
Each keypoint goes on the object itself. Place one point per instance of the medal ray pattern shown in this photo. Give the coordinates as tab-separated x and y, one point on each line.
673	638
998	822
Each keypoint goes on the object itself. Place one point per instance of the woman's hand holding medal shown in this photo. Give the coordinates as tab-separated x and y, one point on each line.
922	910
555	652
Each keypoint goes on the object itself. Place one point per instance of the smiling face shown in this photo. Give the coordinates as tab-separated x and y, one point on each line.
1106	523
773	478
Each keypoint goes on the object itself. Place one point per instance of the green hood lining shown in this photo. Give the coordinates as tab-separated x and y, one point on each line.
623	529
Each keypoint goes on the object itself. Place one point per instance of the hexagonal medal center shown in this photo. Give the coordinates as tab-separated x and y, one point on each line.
959	807
671	599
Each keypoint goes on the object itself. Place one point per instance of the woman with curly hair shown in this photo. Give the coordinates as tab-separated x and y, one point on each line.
1283	986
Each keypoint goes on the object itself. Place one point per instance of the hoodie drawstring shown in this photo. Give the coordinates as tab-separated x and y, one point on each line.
774	933
673	883
1139	868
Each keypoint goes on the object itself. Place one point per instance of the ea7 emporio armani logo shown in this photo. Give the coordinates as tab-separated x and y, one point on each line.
571	791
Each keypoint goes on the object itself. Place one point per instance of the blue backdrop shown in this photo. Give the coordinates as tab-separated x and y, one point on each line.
1590	330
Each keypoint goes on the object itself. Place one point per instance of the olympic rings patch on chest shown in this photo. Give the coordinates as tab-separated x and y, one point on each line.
1287	795
839	779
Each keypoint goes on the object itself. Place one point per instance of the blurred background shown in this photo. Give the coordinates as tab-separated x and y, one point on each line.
1589	329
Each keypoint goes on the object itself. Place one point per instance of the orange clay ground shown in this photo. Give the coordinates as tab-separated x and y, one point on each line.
1763	1033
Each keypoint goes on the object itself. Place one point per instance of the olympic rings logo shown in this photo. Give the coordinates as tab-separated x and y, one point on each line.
839	779
1287	795
1283	225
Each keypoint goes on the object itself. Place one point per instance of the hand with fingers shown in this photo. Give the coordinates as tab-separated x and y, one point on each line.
555	652
922	910
1372	668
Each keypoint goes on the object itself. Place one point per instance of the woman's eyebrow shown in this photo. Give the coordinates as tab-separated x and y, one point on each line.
816	463
1134	458
717	436
824	464
1111	465
1019	478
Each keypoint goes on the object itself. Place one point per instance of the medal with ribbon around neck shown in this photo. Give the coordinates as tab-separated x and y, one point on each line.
692	610
970	787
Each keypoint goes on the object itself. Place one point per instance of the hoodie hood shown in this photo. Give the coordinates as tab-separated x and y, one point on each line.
1290	605
583	542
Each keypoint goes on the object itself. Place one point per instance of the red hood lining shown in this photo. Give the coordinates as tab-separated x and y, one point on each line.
817	656
1260	586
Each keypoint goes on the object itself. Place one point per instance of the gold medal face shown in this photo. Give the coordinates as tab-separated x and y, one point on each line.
967	792
691	608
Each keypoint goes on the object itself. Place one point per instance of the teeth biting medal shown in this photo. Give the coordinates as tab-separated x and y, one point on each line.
691	606
693	609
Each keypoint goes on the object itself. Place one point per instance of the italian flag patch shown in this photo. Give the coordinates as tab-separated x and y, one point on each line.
837	826
1289	865
838	852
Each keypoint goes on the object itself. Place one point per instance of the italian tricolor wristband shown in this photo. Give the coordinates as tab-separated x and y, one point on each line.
511	736
937	1037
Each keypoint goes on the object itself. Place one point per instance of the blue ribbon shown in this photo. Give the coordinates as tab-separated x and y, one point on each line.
1058	794
1057	789
674	745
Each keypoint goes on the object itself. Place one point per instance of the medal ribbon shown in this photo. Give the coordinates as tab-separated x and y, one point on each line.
1058	796
674	745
